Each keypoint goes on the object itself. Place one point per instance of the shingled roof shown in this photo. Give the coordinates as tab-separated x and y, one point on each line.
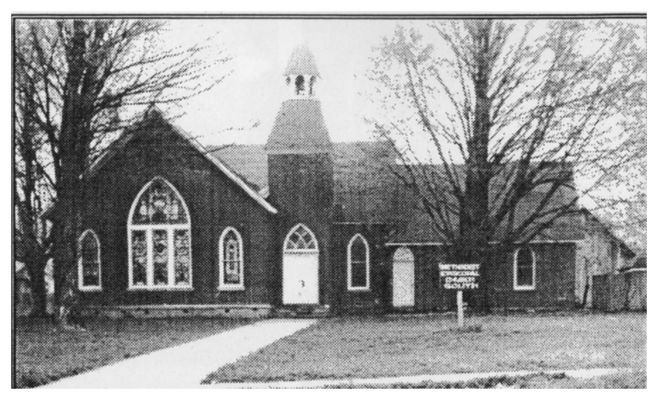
299	128
363	184
301	62
367	191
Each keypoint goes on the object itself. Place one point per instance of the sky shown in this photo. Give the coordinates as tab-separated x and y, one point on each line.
253	92
242	108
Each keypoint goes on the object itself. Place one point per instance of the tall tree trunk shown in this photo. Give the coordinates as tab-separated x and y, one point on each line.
65	244
75	136
473	244
39	293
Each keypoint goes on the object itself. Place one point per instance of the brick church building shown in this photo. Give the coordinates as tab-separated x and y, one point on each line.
172	228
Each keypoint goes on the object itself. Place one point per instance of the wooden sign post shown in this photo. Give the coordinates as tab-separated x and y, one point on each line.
460	277
460	308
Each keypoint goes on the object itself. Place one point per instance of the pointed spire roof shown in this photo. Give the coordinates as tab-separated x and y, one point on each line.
301	62
299	128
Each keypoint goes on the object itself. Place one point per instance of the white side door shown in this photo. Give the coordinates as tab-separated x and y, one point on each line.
300	278
403	278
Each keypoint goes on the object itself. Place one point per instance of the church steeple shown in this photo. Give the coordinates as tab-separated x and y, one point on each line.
301	74
299	160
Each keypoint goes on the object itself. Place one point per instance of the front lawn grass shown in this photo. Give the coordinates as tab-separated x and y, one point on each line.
45	352
361	347
624	380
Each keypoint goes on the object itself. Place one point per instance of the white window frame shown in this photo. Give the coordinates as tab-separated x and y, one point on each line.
358	236
534	271
81	286
149	228
291	231
230	286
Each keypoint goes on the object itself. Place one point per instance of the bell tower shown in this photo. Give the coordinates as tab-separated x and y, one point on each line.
299	158
300	168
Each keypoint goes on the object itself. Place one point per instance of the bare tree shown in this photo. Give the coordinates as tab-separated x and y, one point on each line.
30	194
494	118
90	77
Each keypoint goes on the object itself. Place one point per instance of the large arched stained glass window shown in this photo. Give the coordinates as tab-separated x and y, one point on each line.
159	239
231	260
89	261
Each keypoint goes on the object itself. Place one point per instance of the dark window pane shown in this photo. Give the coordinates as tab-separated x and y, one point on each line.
89	259
139	255
524	257
89	247
90	276
160	257
358	251
232	272
358	274
524	266
524	276
182	257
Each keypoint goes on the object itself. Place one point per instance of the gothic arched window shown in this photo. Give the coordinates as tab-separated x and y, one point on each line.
524	269
300	238
358	264
159	239
89	261
231	260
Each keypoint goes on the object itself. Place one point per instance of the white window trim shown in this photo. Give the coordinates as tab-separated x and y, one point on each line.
230	286
149	245
81	286
349	264
291	231
518	287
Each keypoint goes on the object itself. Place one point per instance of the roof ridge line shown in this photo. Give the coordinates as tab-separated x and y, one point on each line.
224	168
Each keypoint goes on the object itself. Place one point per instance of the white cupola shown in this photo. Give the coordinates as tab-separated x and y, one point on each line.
301	74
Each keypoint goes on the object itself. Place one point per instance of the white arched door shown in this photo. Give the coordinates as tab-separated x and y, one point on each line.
301	267
403	278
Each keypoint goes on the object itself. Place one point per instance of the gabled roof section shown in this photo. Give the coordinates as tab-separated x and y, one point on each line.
301	62
565	228
154	112
608	229
299	128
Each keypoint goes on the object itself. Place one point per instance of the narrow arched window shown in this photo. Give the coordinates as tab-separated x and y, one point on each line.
89	261
159	239
524	269
299	84
231	260
358	264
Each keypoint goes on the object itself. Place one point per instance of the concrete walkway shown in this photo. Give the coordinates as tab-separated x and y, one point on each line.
416	379
188	364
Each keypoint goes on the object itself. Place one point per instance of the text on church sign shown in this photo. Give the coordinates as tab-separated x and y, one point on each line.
460	276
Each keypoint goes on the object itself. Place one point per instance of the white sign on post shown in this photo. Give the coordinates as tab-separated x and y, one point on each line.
460	277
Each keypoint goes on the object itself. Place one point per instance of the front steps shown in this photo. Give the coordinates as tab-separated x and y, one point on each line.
179	311
302	311
207	311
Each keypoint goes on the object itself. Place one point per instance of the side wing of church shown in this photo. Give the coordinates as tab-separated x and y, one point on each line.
169	227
